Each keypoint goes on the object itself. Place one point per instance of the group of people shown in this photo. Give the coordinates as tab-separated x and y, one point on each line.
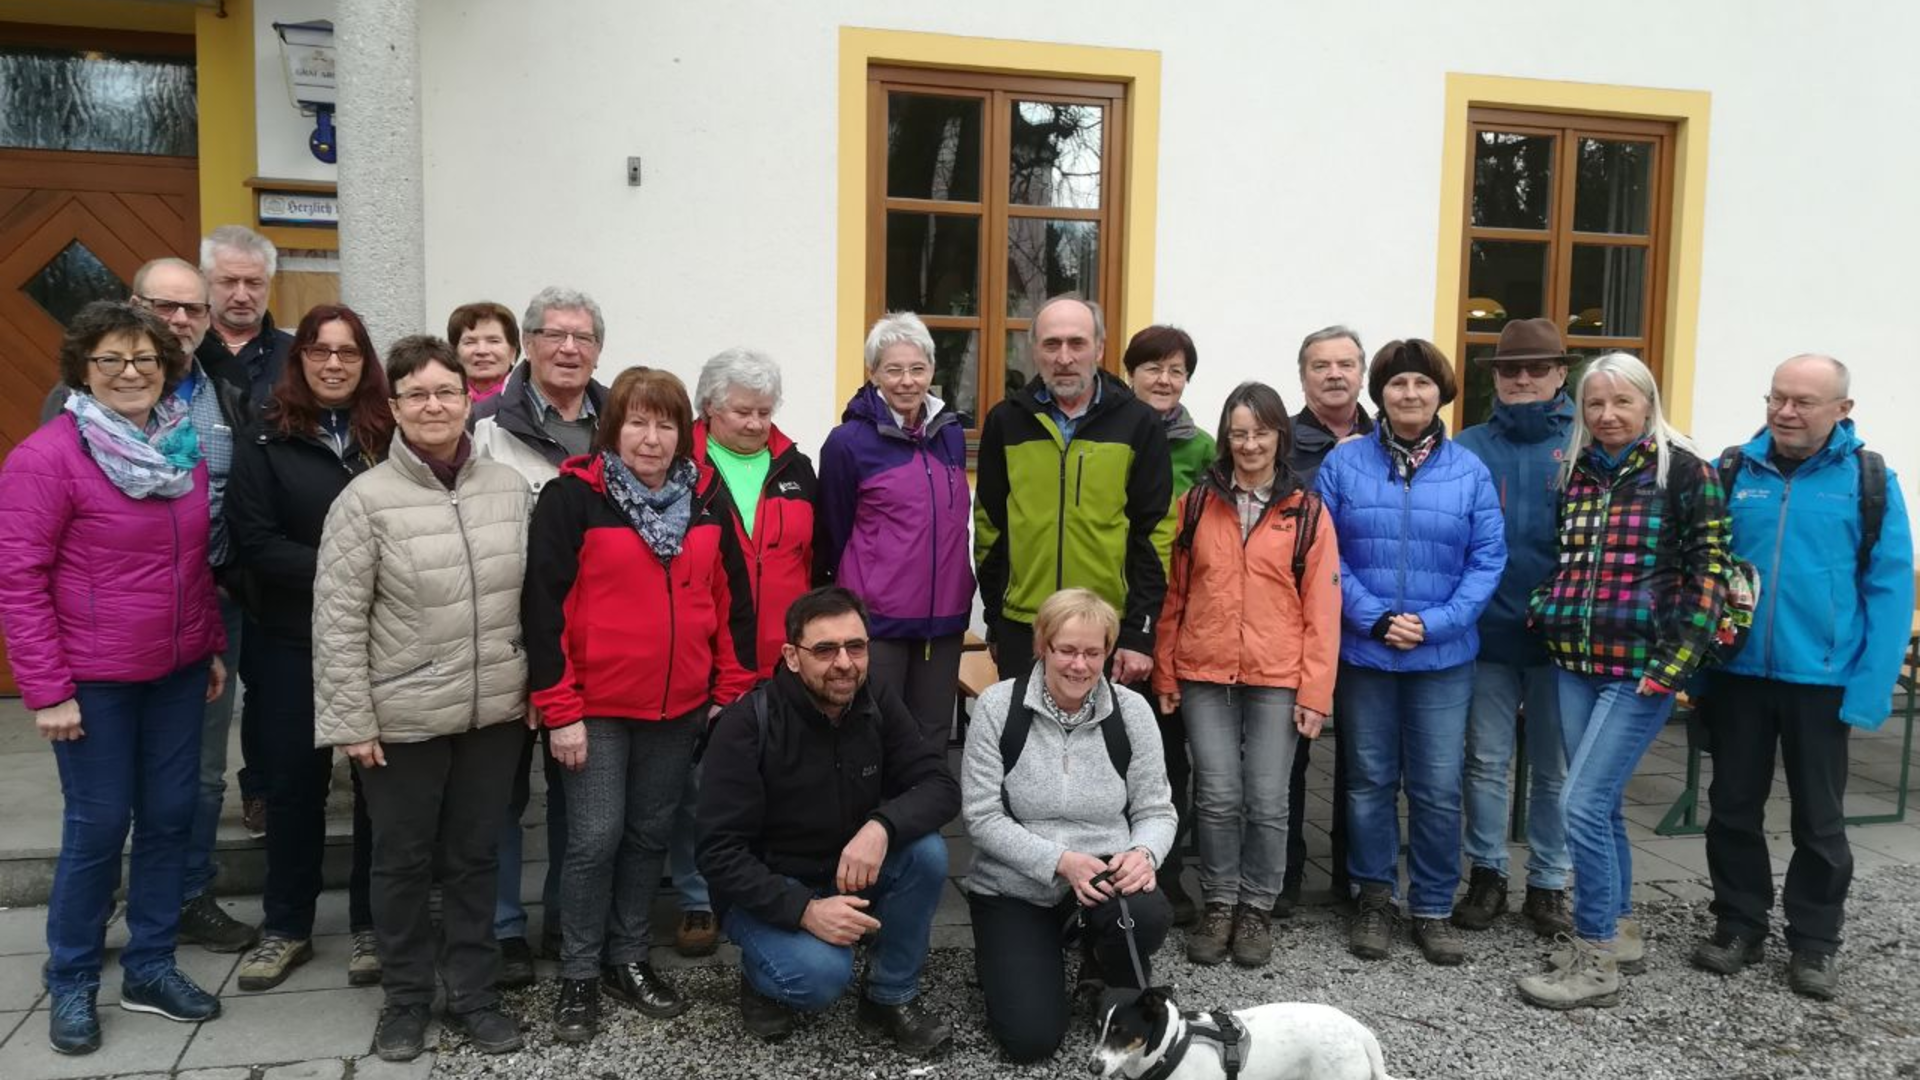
444	560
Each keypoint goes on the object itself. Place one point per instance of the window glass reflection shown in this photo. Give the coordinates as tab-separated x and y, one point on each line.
933	147
1506	279
1512	180
1055	155
53	99
1611	189
956	369
1608	291
933	263
1047	257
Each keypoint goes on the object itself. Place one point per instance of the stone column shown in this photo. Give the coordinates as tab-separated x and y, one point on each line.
382	203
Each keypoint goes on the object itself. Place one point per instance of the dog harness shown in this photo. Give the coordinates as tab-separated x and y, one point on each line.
1225	1031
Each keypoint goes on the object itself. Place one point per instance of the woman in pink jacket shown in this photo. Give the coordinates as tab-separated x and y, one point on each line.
114	634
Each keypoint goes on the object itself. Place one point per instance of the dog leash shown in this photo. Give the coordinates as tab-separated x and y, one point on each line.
1126	925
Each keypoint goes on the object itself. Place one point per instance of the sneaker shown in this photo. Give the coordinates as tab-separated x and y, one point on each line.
488	1030
516	964
1185	913
1439	941
765	1018
1207	944
1372	929
271	961
1629	950
1287	901
1591	980
699	935
1252	937
576	1018
1813	975
1548	911
401	1034
253	816
73	1024
638	985
912	1029
205	923
1728	952
171	995
1486	899
363	963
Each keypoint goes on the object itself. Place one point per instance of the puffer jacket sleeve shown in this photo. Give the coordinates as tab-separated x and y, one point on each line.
343	593
1486	560
998	836
554	539
1686	632
36	506
1320	613
1358	605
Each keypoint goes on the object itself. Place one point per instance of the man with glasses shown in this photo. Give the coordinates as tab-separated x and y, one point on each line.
1522	444
1823	519
820	815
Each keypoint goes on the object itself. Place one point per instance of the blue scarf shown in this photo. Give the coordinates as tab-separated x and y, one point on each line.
158	462
660	517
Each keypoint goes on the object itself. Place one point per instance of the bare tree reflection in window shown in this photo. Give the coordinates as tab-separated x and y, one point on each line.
1512	180
1055	155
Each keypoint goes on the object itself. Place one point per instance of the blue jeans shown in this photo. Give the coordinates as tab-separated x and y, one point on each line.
687	882
509	910
137	763
216	721
802	972
1405	727
1241	739
1606	728
1497	692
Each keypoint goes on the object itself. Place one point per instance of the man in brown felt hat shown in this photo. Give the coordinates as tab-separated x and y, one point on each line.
1522	444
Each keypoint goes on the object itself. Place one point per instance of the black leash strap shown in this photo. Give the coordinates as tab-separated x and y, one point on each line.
1126	927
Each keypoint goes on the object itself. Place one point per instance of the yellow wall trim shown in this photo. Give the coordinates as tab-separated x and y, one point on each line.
101	14
861	48
1687	110
224	55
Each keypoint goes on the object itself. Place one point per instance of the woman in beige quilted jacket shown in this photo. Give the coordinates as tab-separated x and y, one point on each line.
419	676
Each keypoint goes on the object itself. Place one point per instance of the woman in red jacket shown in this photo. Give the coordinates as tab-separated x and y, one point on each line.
634	638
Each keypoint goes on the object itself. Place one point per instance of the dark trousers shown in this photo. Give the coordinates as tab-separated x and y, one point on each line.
924	672
297	777
1018	955
1173	745
1013	648
436	812
1297	817
1746	718
252	776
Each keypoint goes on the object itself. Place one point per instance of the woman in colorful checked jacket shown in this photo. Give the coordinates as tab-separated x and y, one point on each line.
1628	614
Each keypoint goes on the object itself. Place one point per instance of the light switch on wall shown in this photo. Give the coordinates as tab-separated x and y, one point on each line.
633	172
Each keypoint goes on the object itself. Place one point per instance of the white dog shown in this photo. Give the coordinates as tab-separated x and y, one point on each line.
1150	1037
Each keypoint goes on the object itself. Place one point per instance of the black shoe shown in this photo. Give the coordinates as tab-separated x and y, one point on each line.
1439	941
1728	953
73	1024
1486	899
488	1030
1184	911
171	995
401	1034
638	985
1287	901
516	964
910	1027
204	923
765	1018
1813	975
1373	923
1548	911
577	1017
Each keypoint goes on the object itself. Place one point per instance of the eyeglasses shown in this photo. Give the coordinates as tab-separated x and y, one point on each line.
1508	369
168	307
1091	656
1156	369
1776	402
917	371
319	353
1241	438
826	651
585	339
417	399
112	366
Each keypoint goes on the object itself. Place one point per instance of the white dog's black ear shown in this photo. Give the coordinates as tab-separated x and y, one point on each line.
1153	997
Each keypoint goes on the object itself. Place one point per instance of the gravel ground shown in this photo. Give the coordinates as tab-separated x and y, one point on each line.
1673	1022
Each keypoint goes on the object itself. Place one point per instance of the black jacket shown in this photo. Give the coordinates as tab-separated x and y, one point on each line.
277	501
255	369
513	409
786	808
1312	442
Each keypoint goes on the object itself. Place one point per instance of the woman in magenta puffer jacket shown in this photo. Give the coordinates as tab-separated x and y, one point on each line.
115	637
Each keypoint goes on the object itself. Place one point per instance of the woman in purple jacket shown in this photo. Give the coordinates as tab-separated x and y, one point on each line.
892	518
115	637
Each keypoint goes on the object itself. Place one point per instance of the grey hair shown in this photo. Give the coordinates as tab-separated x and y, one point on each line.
1628	369
735	369
241	239
1839	369
1332	333
897	328
1099	317
139	285
559	298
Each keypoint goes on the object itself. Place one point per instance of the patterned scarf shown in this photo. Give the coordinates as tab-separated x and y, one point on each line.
660	517
1068	720
1409	456
140	464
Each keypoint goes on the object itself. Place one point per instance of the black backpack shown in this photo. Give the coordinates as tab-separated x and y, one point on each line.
1013	740
1873	495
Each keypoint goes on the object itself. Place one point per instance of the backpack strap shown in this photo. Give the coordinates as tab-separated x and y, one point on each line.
1729	466
1306	527
1873	503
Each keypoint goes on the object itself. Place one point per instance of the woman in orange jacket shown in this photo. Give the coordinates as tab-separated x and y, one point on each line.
1248	644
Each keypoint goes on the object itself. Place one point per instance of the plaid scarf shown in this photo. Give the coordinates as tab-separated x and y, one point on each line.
660	517
1407	457
140	464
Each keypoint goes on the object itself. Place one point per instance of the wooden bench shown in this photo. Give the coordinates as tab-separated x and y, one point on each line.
977	672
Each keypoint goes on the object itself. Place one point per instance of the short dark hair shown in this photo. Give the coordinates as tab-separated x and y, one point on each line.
1269	410
467	316
822	603
103	319
1415	355
648	390
1157	343
412	353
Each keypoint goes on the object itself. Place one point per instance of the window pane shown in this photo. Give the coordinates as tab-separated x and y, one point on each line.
57	100
1608	291
1056	155
1019	368
1506	279
1512	180
1476	401
73	279
933	147
1611	190
956	369
933	263
1046	258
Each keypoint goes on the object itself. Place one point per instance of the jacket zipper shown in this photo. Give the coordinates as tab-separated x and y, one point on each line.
179	584
1779	539
933	544
1400	568
1079	476
473	579
1060	527
673	630
1593	576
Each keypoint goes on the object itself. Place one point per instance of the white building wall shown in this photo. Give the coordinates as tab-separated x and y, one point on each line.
1300	160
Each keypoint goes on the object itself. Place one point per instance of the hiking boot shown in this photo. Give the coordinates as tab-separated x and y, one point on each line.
1252	937
1439	941
488	1030
1184	911
1813	975
1374	921
401	1034
1486	899
912	1029
638	985
1207	944
73	1024
765	1018
253	816
363	963
516	964
172	995
1728	952
1548	911
577	1016
699	935
1629	950
1287	901
271	961
1590	980
205	923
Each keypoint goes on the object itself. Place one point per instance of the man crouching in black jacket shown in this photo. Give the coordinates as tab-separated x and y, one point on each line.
820	814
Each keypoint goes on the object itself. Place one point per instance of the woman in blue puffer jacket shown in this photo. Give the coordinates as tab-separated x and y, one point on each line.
1422	547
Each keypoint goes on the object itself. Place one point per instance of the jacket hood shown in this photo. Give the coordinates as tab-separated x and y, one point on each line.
867	406
1533	421
587	467
1843	443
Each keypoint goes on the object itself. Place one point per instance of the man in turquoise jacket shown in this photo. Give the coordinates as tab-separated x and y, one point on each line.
1821	659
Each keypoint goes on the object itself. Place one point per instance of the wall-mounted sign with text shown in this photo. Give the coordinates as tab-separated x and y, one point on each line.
289	208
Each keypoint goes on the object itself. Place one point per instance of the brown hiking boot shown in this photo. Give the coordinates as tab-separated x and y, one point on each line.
699	935
1486	899
1252	937
1548	911
1371	931
1439	941
1207	943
